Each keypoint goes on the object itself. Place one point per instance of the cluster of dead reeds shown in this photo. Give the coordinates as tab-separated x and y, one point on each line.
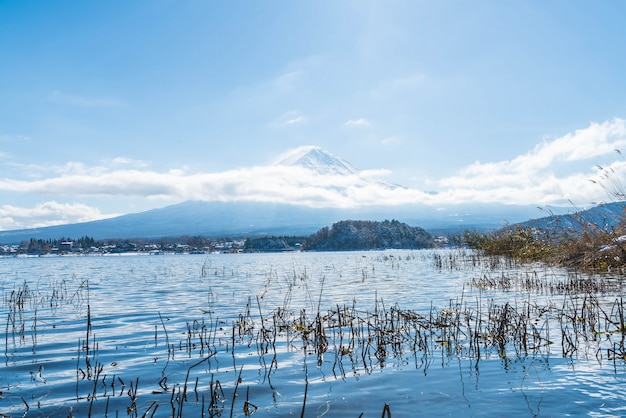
587	246
582	317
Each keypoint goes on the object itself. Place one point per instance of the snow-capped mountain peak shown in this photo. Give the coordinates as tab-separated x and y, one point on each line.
318	160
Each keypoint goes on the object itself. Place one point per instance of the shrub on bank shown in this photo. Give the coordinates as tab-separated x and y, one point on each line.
590	248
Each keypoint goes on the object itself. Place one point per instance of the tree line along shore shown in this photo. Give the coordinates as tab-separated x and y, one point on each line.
341	236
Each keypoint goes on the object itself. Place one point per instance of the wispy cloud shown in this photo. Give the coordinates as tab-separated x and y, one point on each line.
292	117
390	140
294	120
14	138
288	80
78	168
124	161
82	101
360	122
390	88
47	214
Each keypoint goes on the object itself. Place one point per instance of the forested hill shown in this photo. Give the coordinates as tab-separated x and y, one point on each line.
361	235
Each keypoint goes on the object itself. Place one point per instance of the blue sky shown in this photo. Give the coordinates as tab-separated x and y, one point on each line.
115	107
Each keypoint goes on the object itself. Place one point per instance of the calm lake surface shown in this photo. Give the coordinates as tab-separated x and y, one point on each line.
402	333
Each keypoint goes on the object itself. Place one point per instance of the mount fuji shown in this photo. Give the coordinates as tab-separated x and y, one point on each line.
330	175
320	162
317	160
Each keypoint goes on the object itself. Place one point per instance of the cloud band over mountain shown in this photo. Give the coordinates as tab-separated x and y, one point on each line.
555	172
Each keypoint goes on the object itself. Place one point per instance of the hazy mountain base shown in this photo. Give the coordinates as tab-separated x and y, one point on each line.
254	219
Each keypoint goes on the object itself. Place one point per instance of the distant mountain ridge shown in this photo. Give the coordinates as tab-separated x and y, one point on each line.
258	219
187	218
606	216
250	218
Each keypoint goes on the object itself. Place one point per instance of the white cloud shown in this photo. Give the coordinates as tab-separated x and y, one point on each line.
361	122
74	167
582	145
124	161
47	214
531	178
268	184
294	120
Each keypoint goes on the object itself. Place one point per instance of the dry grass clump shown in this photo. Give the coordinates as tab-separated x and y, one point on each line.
590	245
590	248
519	243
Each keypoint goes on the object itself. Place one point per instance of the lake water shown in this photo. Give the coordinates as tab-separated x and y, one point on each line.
402	333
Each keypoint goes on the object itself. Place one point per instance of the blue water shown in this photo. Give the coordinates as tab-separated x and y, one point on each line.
180	335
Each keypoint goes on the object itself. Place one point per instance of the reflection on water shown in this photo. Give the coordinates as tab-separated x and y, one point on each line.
321	334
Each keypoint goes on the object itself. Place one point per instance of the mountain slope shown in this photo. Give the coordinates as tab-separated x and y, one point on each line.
257	219
212	218
606	216
189	218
